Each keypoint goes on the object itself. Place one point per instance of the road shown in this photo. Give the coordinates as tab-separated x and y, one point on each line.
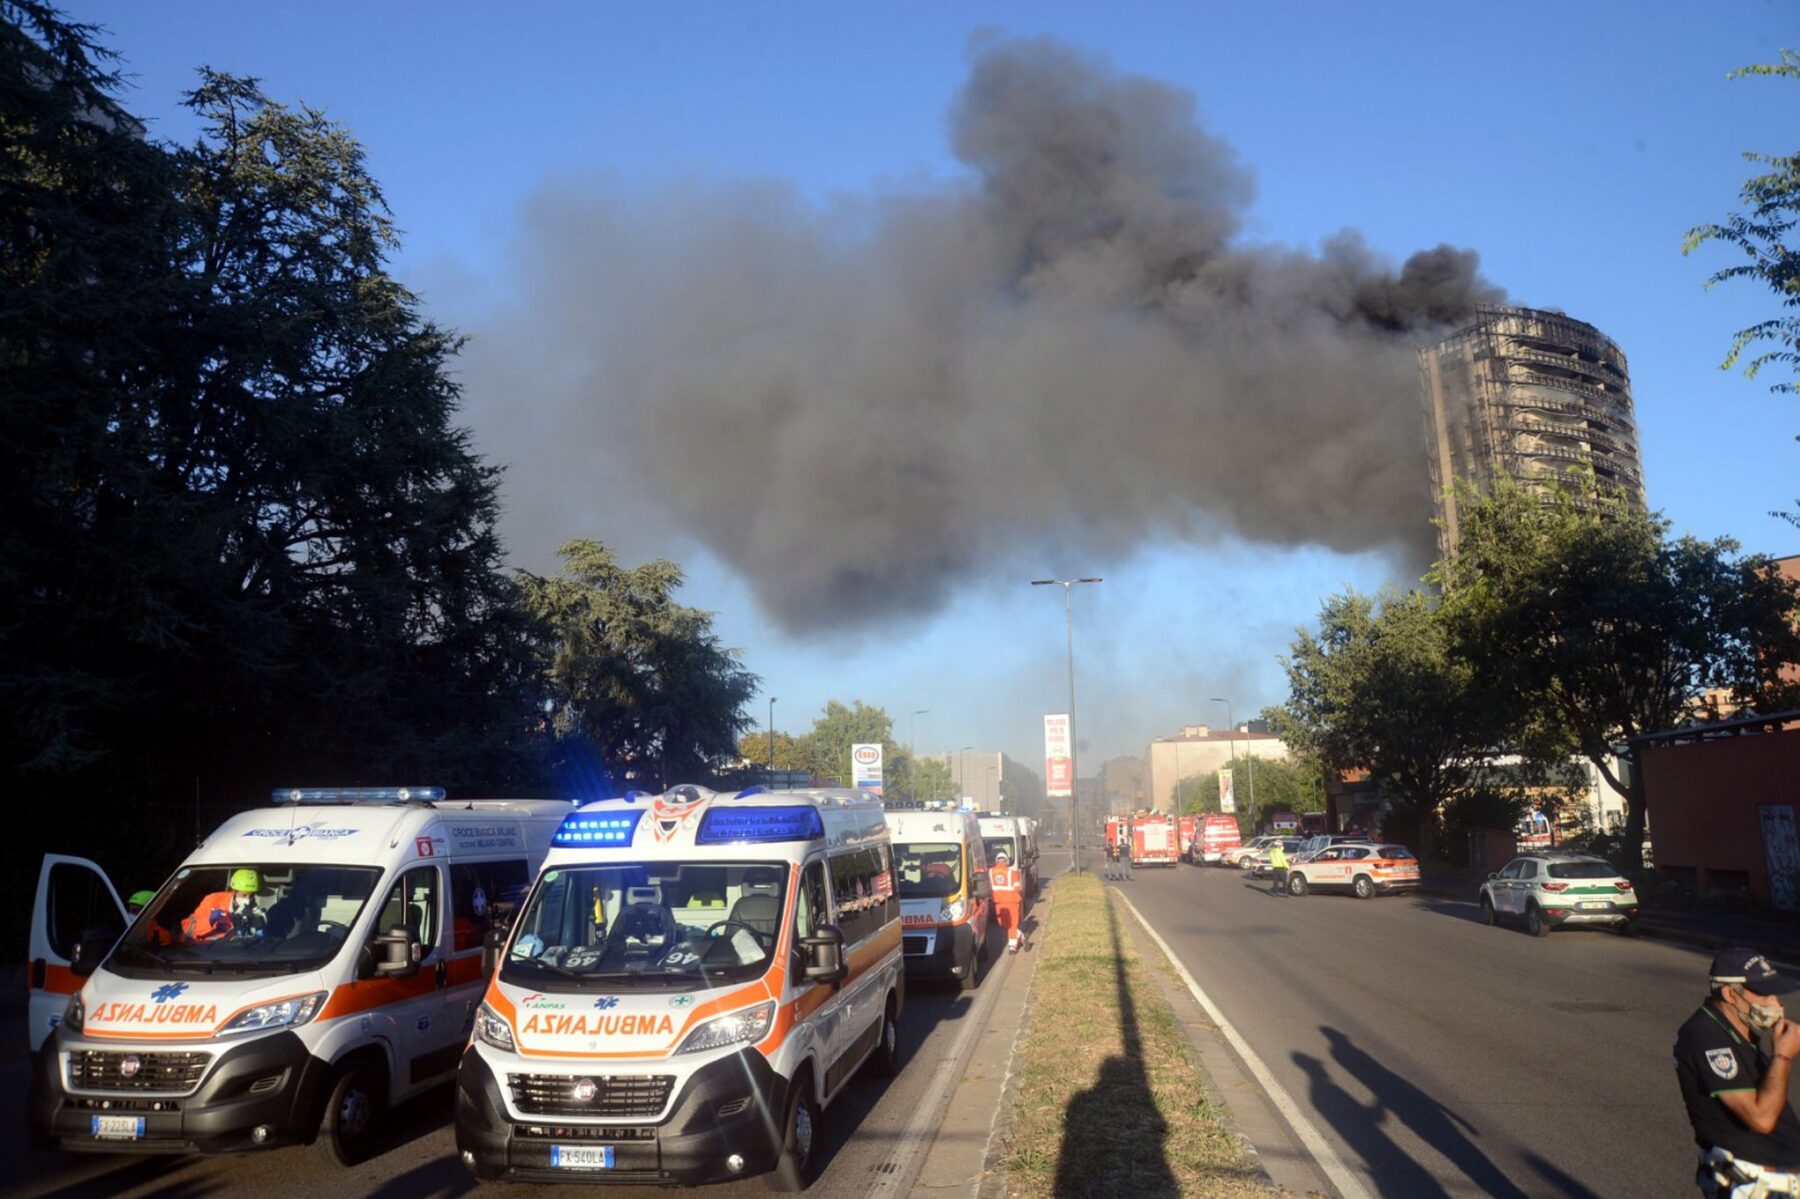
417	1160
1442	1057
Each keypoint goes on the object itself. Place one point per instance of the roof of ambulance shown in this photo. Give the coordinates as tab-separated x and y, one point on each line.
670	824
374	833
910	823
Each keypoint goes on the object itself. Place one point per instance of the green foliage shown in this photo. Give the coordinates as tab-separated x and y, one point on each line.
825	749
1764	235
1280	783
638	682
753	747
1606	629
934	780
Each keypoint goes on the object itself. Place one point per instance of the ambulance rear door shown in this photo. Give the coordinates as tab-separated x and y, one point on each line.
75	902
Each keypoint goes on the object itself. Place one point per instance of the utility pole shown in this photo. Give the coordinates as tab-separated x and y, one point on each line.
772	738
1068	586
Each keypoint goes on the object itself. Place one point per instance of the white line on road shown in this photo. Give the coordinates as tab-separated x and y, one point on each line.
1329	1163
896	1173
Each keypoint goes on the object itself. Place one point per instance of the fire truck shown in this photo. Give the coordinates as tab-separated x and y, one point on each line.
1155	840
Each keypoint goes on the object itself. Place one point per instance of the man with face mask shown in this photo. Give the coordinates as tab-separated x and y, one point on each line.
1735	1089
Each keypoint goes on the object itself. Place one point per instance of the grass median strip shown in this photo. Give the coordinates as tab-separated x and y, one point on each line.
1109	1102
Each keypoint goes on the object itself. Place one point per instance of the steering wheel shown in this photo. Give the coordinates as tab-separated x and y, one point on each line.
762	938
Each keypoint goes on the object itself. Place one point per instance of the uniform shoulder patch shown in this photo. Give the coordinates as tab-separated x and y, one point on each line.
1724	1063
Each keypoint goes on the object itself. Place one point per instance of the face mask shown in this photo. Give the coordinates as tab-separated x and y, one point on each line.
1762	1016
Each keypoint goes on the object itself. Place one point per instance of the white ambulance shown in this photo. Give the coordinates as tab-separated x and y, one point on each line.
1017	836
693	979
308	965
946	901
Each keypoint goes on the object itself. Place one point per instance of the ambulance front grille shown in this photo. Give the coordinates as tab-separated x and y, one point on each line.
620	1096
913	945
109	1070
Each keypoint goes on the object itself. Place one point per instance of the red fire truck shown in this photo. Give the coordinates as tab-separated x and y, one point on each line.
1155	840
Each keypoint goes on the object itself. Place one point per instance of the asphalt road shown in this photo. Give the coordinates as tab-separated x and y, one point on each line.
417	1160
1442	1057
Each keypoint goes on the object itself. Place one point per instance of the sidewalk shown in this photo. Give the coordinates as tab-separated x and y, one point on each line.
1708	930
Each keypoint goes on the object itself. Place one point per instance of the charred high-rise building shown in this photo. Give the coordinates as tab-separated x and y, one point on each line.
1529	395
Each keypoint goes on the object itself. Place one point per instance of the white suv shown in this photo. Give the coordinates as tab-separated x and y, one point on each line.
1548	889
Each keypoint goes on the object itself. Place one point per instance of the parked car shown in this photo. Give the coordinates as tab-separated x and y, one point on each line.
1364	870
1555	888
1235	857
1259	859
1311	847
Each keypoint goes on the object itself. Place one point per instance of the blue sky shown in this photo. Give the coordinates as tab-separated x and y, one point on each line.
1572	145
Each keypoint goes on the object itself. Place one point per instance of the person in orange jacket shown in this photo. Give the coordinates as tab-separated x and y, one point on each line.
229	913
1009	899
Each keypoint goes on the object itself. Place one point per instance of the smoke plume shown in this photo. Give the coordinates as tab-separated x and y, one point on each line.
864	406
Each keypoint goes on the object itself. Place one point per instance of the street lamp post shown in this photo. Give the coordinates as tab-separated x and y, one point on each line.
962	768
1068	586
1249	761
772	739
912	757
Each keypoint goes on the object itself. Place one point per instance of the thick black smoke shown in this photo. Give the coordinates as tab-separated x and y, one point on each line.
863	408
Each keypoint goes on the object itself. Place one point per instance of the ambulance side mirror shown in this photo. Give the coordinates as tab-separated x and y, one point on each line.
983	889
825	955
96	941
397	953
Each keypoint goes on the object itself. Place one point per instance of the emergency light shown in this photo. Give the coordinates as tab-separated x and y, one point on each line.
738	826
597	828
357	795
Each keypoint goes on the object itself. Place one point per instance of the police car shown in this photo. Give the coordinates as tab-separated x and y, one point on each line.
1550	889
309	964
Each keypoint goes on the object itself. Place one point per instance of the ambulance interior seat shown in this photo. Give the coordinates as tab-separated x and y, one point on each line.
643	923
760	904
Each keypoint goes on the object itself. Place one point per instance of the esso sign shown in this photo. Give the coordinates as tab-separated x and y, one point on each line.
868	755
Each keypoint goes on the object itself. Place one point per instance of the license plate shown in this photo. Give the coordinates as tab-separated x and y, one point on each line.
1594	907
581	1157
118	1128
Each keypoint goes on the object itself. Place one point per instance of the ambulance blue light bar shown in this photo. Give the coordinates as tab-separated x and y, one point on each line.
739	826
357	795
594	829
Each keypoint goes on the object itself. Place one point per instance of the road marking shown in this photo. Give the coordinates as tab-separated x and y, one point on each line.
1326	1158
897	1170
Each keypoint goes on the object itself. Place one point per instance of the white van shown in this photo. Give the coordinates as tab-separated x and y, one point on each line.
1015	835
309	964
946	901
693	979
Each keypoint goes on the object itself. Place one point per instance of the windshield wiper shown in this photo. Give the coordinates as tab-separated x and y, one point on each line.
552	966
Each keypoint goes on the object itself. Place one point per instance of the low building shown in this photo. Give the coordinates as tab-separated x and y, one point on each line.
1721	801
1200	749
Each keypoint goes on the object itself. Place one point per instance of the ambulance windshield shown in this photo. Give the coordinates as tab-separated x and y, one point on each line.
998	845
929	871
246	916
651	925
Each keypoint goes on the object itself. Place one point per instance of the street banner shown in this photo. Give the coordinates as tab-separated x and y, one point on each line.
865	767
1059	767
1227	796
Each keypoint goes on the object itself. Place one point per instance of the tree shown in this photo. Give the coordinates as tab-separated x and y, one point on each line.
1764	235
639	685
934	780
1291	783
1594	620
245	542
1379	688
753	747
825	749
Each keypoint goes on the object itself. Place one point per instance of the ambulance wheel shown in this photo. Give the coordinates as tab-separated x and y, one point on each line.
885	1061
1296	884
970	978
795	1168
346	1131
1364	887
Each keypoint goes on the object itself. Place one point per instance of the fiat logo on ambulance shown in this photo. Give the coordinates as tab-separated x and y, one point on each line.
130	1066
585	1090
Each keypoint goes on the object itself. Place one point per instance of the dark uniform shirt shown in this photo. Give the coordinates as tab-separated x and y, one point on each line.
1711	1060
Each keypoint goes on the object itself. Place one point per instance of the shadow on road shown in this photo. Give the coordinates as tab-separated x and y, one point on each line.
1114	1134
1393	1169
1460	909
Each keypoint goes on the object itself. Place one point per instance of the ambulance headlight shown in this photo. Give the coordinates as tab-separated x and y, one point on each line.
953	911
74	1014
491	1028
283	1013
751	1024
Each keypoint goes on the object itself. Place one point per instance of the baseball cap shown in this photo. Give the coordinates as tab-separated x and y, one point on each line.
1750	970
